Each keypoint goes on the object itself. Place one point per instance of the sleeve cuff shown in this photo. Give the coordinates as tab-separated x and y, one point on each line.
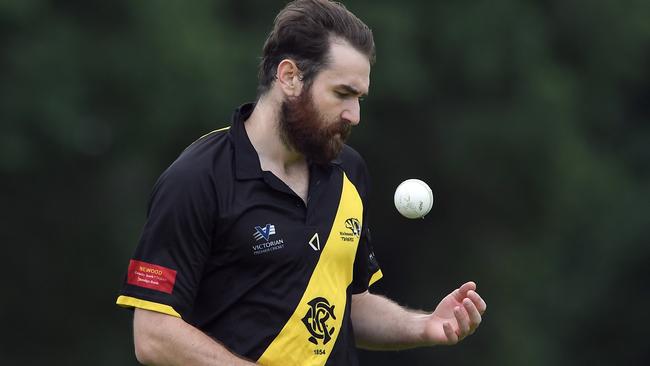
132	302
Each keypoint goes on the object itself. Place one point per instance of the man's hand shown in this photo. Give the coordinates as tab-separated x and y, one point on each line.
456	316
381	324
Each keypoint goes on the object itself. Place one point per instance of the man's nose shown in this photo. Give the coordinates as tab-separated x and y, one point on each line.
352	112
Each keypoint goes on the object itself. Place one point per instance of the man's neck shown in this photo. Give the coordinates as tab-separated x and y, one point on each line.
263	129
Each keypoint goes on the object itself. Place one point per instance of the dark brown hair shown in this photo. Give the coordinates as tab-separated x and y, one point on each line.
303	30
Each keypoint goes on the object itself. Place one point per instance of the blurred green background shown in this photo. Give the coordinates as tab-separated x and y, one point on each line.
529	119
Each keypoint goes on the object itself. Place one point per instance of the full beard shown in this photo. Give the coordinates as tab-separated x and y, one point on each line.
304	129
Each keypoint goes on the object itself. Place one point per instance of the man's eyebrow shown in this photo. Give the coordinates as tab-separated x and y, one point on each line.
352	90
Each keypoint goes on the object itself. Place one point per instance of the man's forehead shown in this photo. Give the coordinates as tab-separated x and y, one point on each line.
347	67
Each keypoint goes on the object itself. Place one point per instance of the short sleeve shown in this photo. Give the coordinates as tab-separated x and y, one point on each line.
166	268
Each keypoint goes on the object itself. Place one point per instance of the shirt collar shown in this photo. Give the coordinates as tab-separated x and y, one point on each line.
247	162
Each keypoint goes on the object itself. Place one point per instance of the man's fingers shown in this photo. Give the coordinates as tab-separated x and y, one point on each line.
463	322
461	292
472	312
452	337
478	301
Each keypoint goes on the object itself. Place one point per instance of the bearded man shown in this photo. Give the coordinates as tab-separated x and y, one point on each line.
256	248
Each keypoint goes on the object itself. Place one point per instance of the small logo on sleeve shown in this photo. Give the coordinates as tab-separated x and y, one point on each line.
151	276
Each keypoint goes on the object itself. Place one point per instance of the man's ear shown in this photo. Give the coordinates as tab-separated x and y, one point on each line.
289	78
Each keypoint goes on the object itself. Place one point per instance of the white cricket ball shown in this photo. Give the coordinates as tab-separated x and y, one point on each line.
413	198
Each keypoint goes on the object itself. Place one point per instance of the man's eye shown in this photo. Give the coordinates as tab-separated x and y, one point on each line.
345	95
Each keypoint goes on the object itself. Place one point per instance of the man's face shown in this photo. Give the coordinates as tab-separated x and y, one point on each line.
319	120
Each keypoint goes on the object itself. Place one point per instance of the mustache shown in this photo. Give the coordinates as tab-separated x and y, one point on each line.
343	128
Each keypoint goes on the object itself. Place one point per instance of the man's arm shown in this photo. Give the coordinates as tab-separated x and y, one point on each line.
162	339
381	324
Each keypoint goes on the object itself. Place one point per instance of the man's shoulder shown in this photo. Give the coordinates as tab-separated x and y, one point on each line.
203	156
208	144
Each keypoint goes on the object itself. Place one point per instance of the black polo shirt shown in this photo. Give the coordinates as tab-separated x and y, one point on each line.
232	250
